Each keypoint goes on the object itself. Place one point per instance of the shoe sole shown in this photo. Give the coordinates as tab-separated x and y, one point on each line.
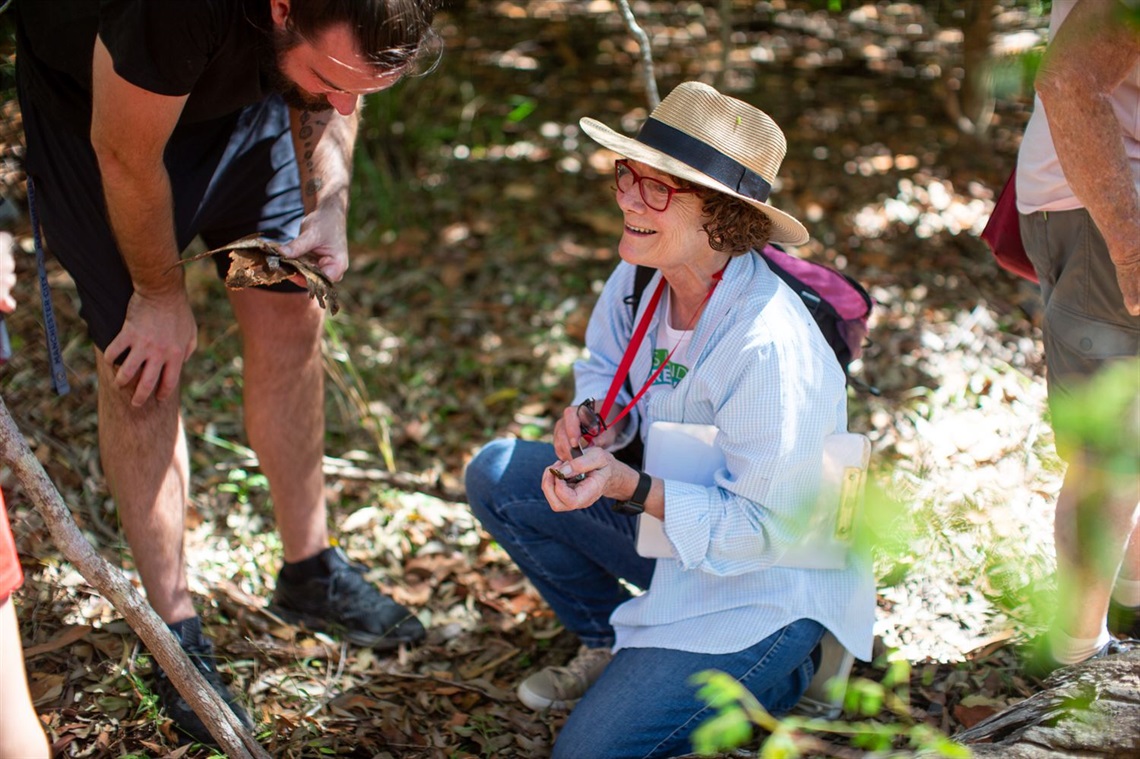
367	640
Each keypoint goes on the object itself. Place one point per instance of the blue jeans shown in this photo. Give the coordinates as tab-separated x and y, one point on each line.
643	704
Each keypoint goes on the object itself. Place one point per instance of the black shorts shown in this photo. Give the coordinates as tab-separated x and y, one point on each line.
229	178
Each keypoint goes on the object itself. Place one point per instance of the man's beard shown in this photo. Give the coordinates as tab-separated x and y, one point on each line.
281	42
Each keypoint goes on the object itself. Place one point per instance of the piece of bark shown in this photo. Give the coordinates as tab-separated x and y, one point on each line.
255	261
1088	710
110	582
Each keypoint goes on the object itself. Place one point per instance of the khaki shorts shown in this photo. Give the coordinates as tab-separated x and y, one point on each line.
1086	325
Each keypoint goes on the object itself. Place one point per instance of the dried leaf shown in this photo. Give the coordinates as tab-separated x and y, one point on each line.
68	636
255	262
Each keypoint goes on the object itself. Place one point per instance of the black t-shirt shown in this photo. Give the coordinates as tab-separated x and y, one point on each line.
212	50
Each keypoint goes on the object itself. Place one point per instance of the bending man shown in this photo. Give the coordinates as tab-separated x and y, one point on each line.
148	124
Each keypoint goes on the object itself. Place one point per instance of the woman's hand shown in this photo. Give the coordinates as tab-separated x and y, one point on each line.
568	433
605	477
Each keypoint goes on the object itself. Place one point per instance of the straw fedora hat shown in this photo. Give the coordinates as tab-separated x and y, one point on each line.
715	141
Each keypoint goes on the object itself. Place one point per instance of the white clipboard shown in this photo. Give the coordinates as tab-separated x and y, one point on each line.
689	453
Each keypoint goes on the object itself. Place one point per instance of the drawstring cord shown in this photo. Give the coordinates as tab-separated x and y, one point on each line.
55	355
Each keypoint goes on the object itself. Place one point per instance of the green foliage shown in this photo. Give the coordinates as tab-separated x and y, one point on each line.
243	484
413	138
348	379
737	711
1103	417
148	699
1131	12
731	726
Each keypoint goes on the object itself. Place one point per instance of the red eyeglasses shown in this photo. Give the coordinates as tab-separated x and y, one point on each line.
655	193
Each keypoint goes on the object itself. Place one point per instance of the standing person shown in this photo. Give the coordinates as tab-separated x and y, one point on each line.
736	348
1078	190
148	123
21	735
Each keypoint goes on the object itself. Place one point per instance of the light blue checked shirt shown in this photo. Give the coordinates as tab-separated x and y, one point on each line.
761	371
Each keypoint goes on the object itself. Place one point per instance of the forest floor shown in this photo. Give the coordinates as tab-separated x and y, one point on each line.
483	229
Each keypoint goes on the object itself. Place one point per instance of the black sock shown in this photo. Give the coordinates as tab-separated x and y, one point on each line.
299	571
187	628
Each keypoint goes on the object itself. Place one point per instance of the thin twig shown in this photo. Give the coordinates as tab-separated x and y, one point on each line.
331	692
646	53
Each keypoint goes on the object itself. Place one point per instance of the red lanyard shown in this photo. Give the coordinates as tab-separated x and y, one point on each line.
635	343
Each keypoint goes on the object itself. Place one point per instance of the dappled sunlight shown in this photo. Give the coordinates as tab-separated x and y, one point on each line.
973	460
926	209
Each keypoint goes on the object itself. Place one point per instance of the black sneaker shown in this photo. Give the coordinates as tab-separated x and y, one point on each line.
345	604
201	652
1124	620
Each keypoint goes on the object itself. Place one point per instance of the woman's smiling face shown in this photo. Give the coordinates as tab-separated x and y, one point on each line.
661	239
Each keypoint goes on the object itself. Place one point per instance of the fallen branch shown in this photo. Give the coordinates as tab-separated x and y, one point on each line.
1089	709
109	581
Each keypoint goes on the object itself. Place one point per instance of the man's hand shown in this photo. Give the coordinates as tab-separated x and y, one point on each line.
323	237
157	337
1128	277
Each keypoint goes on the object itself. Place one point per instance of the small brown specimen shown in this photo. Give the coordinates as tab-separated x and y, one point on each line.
255	261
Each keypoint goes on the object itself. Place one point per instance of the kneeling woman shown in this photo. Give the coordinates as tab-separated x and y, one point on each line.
718	340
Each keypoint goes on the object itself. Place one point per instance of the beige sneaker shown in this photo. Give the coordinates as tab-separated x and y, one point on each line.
561	687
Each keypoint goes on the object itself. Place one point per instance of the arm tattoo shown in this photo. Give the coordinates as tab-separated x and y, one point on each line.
306	134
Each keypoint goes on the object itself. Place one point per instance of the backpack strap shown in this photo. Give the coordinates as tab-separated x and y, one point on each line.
640	281
634	453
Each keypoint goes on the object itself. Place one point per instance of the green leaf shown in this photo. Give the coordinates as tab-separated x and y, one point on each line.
524	108
780	745
951	750
719	690
727	730
897	672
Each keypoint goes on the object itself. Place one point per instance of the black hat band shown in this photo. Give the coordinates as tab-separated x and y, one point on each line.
705	159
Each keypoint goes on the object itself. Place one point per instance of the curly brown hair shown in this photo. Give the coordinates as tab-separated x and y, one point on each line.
733	226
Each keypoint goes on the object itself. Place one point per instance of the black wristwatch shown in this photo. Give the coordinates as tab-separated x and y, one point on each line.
636	503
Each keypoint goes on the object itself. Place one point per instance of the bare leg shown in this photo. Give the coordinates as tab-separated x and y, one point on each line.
21	735
1130	568
1091	517
285	410
147	468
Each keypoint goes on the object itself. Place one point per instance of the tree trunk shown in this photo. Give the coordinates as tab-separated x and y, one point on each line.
112	585
971	106
1088	710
